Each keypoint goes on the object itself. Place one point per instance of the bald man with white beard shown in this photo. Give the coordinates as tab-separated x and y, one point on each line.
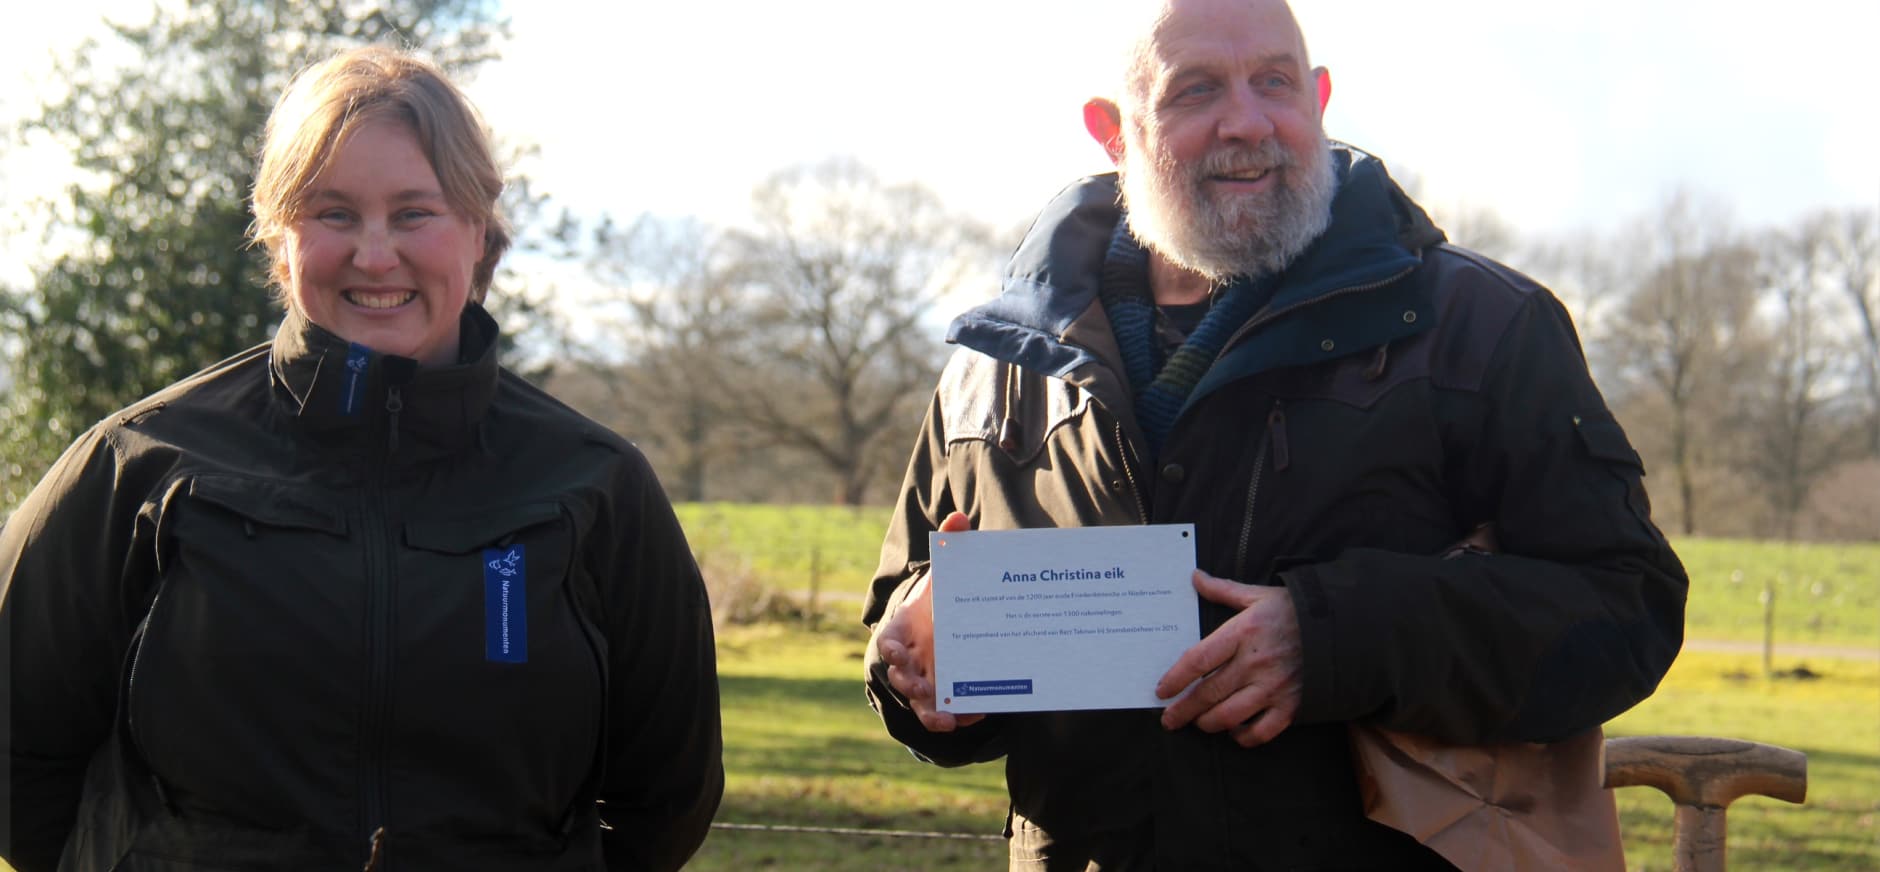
1254	330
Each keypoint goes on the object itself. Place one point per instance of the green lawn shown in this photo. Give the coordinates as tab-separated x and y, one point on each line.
802	748
1834	719
1824	594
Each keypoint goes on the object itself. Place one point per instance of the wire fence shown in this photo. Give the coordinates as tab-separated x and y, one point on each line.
858	831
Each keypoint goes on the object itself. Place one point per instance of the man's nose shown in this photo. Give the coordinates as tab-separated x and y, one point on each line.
1244	117
376	252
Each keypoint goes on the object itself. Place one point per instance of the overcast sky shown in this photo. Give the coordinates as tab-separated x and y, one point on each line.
1558	116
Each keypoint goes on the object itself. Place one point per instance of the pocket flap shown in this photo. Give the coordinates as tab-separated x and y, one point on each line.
472	533
1605	439
266	502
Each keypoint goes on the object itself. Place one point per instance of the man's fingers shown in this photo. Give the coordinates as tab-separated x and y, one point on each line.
892	652
910	674
1200	659
946	722
1213	691
1225	592
1266	725
1236	709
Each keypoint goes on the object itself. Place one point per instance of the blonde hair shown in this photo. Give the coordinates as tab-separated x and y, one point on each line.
328	101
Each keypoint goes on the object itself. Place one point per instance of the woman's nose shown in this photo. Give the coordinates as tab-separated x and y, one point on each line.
376	251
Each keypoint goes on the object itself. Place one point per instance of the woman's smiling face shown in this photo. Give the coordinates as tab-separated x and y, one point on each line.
378	256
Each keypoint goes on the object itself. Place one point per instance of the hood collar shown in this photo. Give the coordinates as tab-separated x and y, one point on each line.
341	390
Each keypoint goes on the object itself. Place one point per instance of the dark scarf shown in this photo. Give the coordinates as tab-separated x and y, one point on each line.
1162	386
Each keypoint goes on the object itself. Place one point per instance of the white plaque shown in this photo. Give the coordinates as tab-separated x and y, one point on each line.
1060	619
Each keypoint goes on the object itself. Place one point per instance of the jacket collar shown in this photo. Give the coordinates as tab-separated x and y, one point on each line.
342	391
1041	318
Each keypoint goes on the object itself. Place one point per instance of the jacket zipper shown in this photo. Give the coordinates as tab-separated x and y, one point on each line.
590	788
373	733
1276	420
1271	441
1124	453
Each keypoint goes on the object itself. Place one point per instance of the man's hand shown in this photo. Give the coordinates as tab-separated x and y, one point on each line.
906	644
1249	670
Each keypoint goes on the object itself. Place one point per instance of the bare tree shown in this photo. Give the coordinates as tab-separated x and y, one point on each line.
1790	440
1854	258
1686	329
1590	273
843	270
664	367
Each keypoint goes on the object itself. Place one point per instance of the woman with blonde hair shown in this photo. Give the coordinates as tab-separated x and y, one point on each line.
359	594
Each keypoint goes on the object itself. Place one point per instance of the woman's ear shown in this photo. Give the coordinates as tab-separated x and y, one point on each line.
1105	124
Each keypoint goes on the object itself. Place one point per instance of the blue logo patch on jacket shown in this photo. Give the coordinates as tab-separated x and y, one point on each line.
357	359
505	605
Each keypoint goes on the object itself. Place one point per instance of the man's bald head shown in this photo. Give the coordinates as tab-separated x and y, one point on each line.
1152	22
1218	136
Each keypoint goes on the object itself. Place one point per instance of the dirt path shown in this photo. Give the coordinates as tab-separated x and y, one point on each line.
1832	652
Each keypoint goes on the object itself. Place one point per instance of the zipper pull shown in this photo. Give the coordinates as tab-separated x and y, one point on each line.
375	856
393	405
1276	431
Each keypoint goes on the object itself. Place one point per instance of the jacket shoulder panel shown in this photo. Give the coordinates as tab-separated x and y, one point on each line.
988	400
1478	301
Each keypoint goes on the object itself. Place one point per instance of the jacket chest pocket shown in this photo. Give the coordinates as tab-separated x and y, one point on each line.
495	614
253	633
489	578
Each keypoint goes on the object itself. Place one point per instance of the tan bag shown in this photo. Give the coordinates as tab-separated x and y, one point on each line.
1510	807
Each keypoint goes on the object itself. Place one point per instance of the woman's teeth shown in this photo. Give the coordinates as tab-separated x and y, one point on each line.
389	300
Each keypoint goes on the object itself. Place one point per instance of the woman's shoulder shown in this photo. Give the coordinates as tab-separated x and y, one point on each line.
522	407
230	387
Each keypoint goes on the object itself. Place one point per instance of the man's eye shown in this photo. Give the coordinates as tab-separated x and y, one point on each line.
1275	83
1198	89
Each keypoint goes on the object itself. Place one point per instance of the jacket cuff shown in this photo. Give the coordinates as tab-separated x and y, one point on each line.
1318	642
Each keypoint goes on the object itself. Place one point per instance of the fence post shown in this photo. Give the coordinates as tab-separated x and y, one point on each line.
815	585
1769	627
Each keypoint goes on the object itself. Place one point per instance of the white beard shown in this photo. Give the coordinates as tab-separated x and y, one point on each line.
1172	213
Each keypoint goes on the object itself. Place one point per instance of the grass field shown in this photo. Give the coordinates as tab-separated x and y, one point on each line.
803	749
1825	595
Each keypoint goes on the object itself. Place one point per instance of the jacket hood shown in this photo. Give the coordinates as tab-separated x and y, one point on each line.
1376	232
340	390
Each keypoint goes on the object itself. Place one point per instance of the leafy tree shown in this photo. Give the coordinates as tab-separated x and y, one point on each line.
154	279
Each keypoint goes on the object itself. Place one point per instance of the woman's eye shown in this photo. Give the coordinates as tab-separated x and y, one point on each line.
407	216
334	216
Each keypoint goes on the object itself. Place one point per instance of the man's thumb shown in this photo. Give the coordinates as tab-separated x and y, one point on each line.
956	523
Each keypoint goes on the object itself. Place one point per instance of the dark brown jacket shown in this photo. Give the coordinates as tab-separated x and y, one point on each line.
261	615
1395	392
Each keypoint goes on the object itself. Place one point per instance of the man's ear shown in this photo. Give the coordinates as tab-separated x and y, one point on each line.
1324	78
1105	124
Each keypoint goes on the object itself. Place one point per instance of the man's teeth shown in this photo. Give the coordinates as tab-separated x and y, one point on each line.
1245	176
381	301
